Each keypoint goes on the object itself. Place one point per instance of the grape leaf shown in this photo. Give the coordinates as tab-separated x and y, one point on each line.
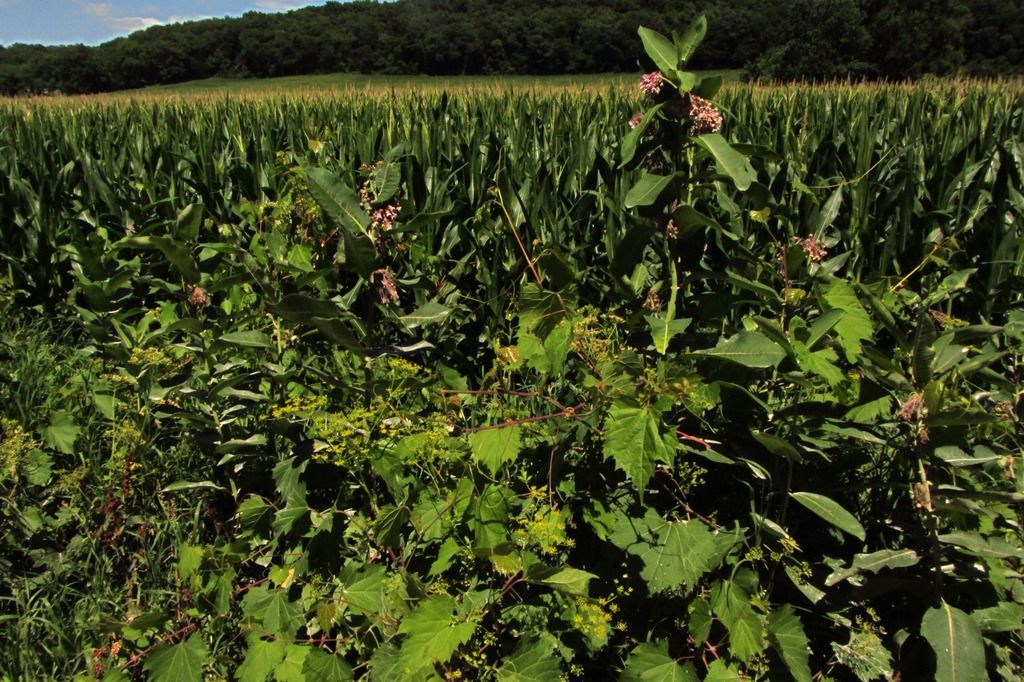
261	659
324	667
272	610
787	637
683	552
650	662
532	661
855	326
177	662
632	438
433	633
732	605
495	447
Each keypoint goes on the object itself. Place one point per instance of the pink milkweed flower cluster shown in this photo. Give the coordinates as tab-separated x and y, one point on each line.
383	219
704	116
366	196
814	248
635	121
198	298
384	282
651	83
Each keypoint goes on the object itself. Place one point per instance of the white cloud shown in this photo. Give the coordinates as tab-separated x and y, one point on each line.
106	13
280	5
182	18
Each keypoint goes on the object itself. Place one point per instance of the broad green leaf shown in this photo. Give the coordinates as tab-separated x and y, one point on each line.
779	447
301	308
627	148
324	667
786	634
106	403
178	486
288	477
286	518
951	454
290	668
337	331
632	438
386	665
1004	617
255	515
732	606
663	329
540	310
272	611
874	562
819	362
828	213
650	662
261	659
692	37
188	222
490	516
870	412
190	557
823	325
533	660
855	326
495	447
660	49
365	594
865	656
248	338
729	161
957	642
433	634
337	199
831	511
62	432
387	527
177	662
720	671
387	179
449	549
430	312
975	544
924	348
38	467
647	189
750	349
562	578
682	553
176	254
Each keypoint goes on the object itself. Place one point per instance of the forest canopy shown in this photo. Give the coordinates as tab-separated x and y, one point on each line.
796	39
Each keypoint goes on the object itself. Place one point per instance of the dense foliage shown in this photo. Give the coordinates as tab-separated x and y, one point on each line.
815	39
515	387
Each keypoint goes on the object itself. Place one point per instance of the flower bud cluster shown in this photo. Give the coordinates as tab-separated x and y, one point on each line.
383	218
704	116
384	282
651	83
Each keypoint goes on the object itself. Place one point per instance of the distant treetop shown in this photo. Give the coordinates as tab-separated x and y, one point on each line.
797	39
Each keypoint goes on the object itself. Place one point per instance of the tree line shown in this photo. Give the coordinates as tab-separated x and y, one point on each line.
795	39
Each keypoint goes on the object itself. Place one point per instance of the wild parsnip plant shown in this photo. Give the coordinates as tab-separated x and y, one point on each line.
685	383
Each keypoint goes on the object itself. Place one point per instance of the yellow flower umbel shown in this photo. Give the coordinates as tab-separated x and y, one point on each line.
592	618
543	528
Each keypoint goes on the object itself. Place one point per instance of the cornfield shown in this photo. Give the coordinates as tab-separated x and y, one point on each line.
508	382
891	172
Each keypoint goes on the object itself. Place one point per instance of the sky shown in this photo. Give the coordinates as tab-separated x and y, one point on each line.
58	22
